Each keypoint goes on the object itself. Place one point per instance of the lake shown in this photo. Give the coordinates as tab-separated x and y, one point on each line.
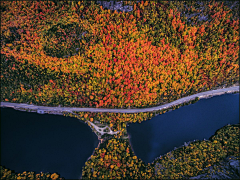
45	143
162	133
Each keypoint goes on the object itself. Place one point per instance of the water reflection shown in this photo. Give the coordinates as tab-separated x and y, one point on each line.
45	143
162	133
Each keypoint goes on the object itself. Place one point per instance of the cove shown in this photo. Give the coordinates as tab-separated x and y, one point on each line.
45	143
198	121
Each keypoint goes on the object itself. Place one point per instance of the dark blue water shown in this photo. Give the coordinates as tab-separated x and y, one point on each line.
45	143
161	134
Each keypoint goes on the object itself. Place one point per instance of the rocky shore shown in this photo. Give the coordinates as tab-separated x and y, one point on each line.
229	167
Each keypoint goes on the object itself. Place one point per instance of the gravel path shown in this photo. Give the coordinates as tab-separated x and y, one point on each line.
98	129
43	109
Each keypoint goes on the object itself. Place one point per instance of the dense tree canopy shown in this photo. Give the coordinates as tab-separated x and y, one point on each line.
123	60
115	159
79	54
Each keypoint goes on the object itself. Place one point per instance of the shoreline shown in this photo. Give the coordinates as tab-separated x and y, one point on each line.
202	95
60	110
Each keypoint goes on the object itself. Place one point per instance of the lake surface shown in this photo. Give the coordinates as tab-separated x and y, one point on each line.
45	143
161	134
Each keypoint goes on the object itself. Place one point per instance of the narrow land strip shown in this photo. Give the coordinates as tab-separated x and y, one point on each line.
202	95
99	129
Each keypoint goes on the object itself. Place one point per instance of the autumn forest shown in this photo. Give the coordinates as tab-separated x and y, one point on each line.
79	54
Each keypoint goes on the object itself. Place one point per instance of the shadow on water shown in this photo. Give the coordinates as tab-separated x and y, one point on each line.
133	135
162	133
45	143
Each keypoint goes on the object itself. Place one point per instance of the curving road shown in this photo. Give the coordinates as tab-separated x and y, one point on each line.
43	109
